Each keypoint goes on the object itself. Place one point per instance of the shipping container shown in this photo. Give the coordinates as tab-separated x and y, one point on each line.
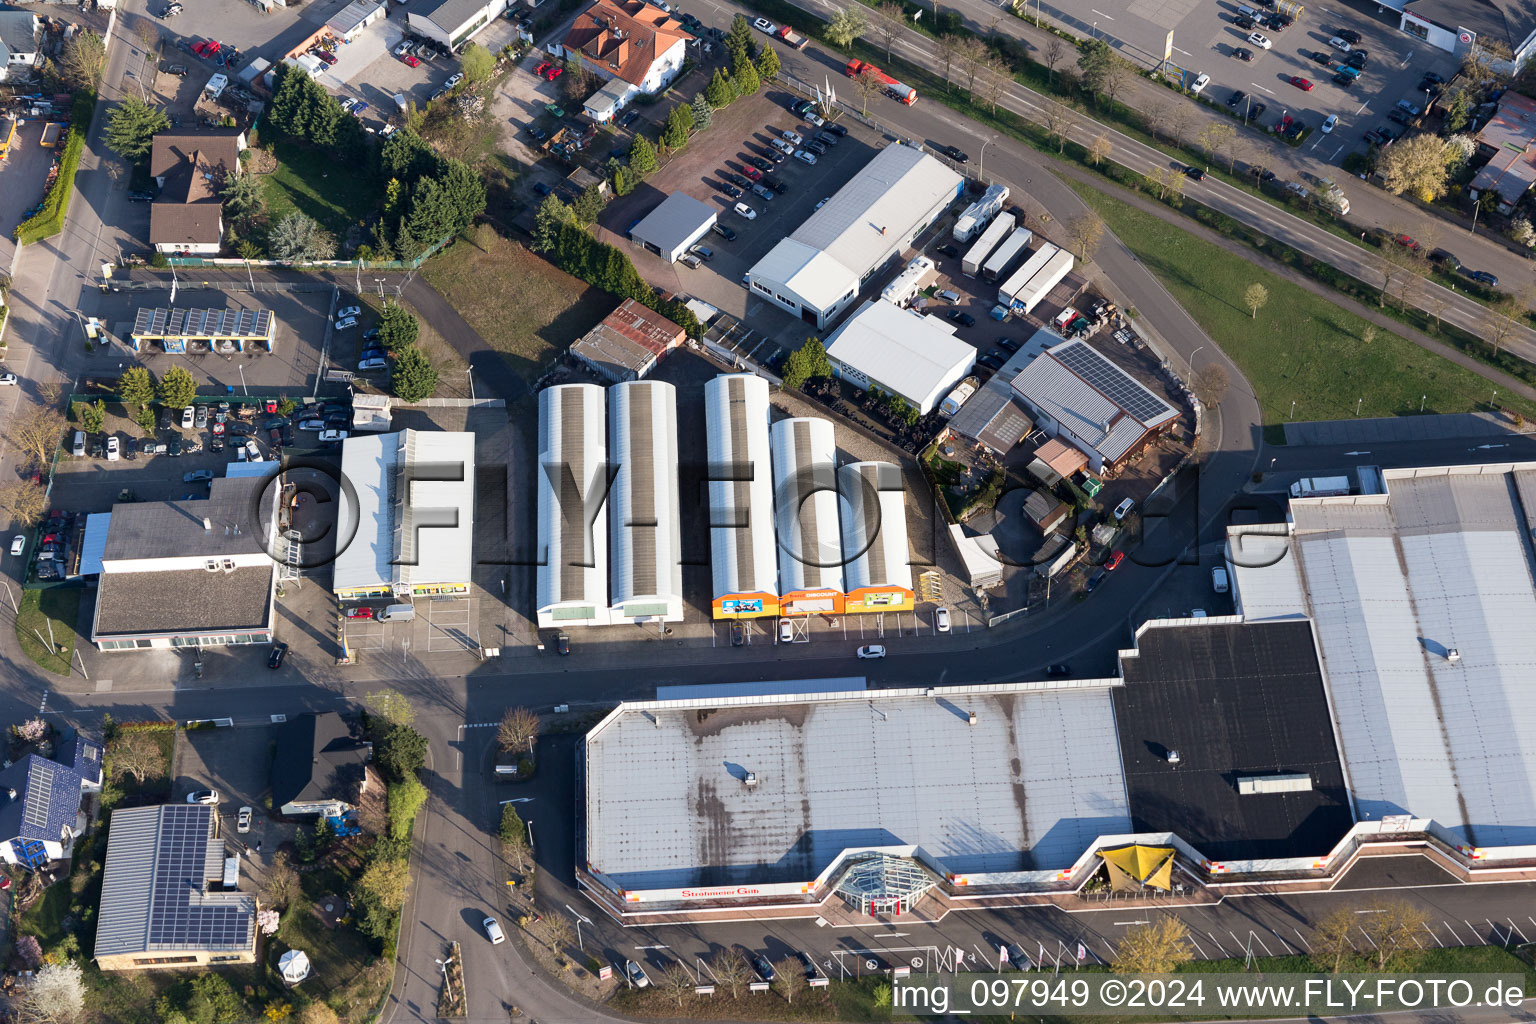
1007	254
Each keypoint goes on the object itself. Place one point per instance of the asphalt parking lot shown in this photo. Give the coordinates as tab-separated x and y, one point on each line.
237	764
1206	36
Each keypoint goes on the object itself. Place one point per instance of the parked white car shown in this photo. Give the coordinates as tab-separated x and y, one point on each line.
1260	40
815	118
346	323
243	822
7	379
1200	84
187	416
869	651
806	155
794	137
1124	509
786	631
333	435
18	544
113	451
203	796
342	314
1329	123
764	25
454	80
746	211
782	145
941	620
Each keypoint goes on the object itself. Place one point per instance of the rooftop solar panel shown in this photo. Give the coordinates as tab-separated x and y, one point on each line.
39	792
1111	382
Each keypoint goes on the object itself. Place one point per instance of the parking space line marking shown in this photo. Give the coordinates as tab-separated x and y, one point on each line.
984	957
1304	947
1184	52
1453	933
1218	945
1495	929
1101	14
1256	935
1471	929
1197	948
1369	939
1282	939
1256	85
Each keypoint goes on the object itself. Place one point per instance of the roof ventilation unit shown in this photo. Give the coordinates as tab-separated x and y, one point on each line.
751	780
1174	758
1453	655
972	718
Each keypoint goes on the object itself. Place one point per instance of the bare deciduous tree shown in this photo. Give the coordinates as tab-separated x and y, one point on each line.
1117	74
136	754
1498	322
281	886
731	968
1179	120
994	79
947	47
1086	229
1210	384
973	53
1157	119
678	982
789	978
1053	54
518	727
24	501
1393	927
1155	948
1332	949
558	928
1057	122
1099	148
868	85
37	435
890	19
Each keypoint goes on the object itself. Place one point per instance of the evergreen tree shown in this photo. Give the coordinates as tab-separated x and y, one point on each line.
719	92
703	115
806	363
674	135
747	82
740	39
132	128
642	157
413	377
551	216
767	64
589	205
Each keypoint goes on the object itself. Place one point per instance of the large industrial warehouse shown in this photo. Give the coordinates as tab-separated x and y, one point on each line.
743	554
1365	701
643	514
805	511
816	272
909	354
877	569
572	576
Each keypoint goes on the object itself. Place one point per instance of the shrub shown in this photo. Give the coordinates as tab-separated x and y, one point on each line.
49	221
405	799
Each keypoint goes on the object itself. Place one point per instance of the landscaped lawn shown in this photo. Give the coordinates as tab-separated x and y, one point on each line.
337	194
38	607
521	305
1301	348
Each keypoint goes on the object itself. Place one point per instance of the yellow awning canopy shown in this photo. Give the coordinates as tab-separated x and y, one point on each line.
1136	867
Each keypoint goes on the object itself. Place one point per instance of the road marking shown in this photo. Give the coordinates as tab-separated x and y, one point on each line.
1101	14
1283	940
1218	944
1434	936
1471	929
1370	911
1336	152
1122	924
1407	58
1453	933
1255	935
889	935
1304	947
986	958
1261	88
1184	52
1363	108
1198	949
1495	929
653	947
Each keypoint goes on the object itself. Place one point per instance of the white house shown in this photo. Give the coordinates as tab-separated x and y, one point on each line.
452	22
18	42
637	47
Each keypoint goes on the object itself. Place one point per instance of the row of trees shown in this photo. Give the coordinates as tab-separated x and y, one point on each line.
412	377
400	753
428	198
559	235
304	111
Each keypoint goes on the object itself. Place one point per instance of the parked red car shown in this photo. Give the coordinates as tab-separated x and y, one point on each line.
1114	561
1304	84
543	67
1407	242
360	613
553	72
327	56
411	61
752	173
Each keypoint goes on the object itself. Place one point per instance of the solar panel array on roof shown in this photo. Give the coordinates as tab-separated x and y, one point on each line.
1112	382
180	918
39	792
202	323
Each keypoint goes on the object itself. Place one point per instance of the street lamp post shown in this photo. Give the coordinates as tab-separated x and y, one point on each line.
469	372
243	389
380	282
981	166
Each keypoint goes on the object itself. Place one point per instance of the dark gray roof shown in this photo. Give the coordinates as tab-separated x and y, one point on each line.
192	600
18	30
317	758
154	892
81	754
1506	21
165	529
678	218
47	798
448	15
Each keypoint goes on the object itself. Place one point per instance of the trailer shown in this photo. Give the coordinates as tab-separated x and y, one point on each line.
1007	254
1032	266
1039	286
909	282
978	213
1320	487
51	132
894	89
971	263
958	397
793	38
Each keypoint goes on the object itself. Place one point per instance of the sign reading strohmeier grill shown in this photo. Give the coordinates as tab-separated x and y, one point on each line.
727	892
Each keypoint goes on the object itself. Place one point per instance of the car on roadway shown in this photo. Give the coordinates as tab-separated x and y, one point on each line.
1260	40
1243	53
765	26
635	973
197	476
1194	173
7	380
962	318
1114	561
18	544
869	651
941	619
956	154
203	796
1329	123
1304	84
786	631
114	451
1237	97
743	210
1200	83
275	659
493	931
243	821
1124	509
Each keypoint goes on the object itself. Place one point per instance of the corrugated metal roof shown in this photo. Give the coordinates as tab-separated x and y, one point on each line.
1029	786
1057	384
805	504
916	356
874	523
573	560
743	554
644	518
94	545
1393	586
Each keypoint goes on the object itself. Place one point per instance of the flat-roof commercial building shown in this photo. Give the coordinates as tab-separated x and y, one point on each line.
1422	602
164	901
672	227
744	570
747	800
1077	394
877	570
901	352
407	520
644	517
190	573
572	574
1492	27
629	342
805	514
452	22
816	273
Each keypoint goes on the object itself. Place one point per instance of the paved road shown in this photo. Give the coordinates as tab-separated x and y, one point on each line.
814	64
